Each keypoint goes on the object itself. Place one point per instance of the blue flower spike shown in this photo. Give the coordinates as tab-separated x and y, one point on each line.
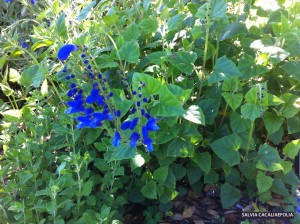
117	139
65	51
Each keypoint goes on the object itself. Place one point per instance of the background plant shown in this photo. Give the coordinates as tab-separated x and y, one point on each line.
221	78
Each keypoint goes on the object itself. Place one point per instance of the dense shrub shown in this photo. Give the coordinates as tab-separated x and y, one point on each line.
108	105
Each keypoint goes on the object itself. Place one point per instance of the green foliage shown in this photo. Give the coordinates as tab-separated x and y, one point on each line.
223	83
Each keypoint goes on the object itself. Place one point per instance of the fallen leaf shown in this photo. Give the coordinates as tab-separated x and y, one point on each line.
176	217
213	213
199	221
188	211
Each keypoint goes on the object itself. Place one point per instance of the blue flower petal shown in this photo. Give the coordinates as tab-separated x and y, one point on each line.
116	140
145	132
148	143
134	123
151	125
125	125
65	51
134	138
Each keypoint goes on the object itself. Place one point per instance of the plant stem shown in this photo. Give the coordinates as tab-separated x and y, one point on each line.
248	140
206	35
224	114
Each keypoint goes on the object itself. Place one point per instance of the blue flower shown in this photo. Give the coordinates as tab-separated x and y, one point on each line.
134	138
125	125
117	113
145	132
72	92
151	125
93	97
65	51
84	122
75	106
23	44
116	140
134	123
101	101
8	1
32	2
148	143
133	110
298	209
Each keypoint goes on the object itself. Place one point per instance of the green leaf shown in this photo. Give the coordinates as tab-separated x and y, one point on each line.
290	110
175	22
249	68
203	160
181	94
195	115
161	174
219	9
130	52
269	159
105	61
293	125
291	149
232	85
235	28
123	151
149	25
248	170
184	61
263	182
239	124
168	104
156	57
152	86
194	173
272	122
292	68
233	100
86	11
101	164
223	70
149	190
42	43
131	33
250	111
12	115
180	148
87	188
3	60
226	148
210	108
211	178
60	27
110	19
92	135
229	195
276	54
14	75
178	170
61	167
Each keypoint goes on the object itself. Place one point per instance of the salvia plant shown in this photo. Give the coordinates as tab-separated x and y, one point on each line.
99	106
149	111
